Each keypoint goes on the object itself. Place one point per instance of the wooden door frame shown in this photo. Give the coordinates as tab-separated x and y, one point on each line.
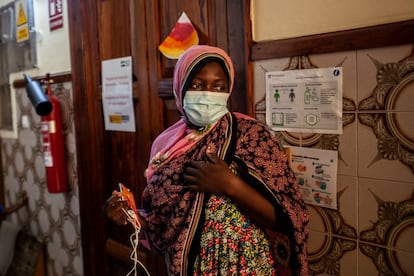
84	50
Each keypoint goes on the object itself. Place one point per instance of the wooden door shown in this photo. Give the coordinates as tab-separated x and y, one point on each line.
107	29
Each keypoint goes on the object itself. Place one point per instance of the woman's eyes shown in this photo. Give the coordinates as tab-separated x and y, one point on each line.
219	88
196	86
215	88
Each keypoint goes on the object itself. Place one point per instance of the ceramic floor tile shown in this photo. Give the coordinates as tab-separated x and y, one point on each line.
381	153
369	61
385	213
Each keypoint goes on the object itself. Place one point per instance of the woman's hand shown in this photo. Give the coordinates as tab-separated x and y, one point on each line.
212	176
215	177
114	208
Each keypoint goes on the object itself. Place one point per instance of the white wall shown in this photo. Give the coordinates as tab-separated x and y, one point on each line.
53	52
277	19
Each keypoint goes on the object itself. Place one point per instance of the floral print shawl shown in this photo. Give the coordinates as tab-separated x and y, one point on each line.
174	214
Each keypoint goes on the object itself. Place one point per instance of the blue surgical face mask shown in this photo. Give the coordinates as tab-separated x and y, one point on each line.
204	107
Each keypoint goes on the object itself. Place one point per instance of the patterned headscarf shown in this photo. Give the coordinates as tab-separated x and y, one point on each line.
188	62
177	138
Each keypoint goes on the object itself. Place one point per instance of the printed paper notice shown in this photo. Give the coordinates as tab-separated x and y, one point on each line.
316	173
117	94
305	100
22	23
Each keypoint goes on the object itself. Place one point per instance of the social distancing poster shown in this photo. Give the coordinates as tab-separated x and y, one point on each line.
308	101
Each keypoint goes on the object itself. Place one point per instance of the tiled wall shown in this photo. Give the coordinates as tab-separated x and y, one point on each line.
372	232
53	219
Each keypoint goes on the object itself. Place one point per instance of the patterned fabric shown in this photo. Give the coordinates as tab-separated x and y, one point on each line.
231	244
175	215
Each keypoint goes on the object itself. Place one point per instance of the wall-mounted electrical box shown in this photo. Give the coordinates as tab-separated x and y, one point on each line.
17	53
17	36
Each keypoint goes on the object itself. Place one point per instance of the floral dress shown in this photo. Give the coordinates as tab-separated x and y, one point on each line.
231	244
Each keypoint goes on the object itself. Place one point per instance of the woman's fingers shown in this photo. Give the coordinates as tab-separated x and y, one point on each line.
114	209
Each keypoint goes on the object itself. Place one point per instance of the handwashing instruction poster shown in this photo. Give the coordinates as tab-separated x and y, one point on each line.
305	100
316	172
117	99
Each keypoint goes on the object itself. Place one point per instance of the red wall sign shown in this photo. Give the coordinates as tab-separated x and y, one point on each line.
55	14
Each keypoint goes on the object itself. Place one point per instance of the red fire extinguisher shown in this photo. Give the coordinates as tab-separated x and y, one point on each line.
53	146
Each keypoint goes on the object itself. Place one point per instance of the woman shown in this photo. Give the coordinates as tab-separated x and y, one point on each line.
221	198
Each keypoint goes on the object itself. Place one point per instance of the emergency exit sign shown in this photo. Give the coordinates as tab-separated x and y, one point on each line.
55	15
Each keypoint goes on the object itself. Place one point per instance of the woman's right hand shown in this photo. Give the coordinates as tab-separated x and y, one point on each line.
114	208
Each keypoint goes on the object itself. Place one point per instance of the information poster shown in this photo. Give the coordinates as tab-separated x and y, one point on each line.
117	94
316	172
305	100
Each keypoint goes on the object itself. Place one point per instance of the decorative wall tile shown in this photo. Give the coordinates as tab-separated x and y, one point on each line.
381	155
366	266
329	255
371	232
376	260
318	219
386	213
347	151
347	188
375	66
405	261
51	218
383	107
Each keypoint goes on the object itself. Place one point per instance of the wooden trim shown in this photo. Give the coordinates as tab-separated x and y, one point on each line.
363	38
165	88
118	250
57	78
239	34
